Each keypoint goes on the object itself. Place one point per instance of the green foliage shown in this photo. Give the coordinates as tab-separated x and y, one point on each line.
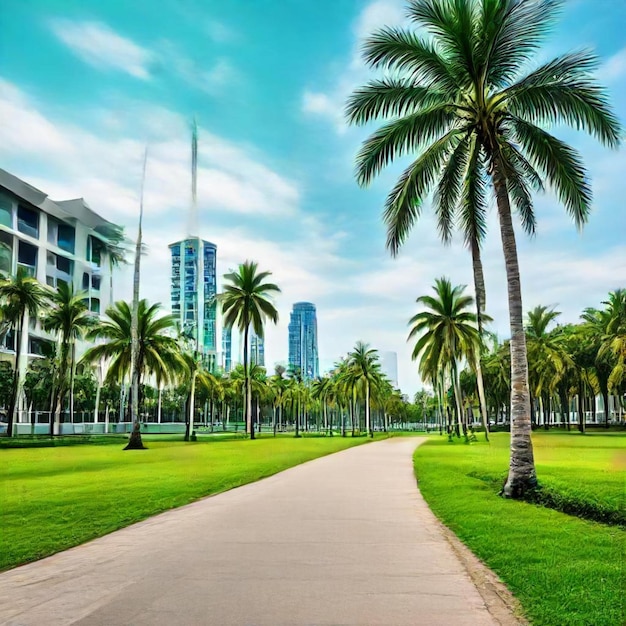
6	382
564	570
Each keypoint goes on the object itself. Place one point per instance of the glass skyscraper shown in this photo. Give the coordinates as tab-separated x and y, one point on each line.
227	349
257	349
303	352
193	290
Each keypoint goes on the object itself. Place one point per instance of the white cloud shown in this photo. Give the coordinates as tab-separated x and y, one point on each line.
330	104
220	32
100	46
614	68
106	166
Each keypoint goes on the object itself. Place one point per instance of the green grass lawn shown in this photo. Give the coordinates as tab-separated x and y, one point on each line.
55	498
563	569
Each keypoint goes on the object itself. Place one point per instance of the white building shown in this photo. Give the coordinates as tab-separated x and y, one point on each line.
53	242
389	366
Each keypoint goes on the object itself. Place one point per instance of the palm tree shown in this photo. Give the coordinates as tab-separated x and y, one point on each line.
70	319
447	334
245	303
614	340
192	373
135	442
278	385
364	361
456	97
547	358
21	296
321	389
158	351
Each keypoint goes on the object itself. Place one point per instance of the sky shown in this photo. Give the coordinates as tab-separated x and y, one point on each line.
85	86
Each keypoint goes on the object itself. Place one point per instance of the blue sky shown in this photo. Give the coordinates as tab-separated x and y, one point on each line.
84	86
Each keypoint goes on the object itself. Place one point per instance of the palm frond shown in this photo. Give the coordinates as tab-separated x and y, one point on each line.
562	166
513	30
399	137
390	97
400	50
563	91
403	205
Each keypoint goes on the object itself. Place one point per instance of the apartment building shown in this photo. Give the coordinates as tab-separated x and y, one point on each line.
53	241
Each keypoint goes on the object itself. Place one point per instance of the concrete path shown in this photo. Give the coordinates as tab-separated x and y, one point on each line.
346	539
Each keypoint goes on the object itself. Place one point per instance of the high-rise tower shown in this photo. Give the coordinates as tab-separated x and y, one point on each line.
194	278
227	349
303	352
257	350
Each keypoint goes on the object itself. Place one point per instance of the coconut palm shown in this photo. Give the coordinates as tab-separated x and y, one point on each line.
158	350
70	319
364	362
246	303
614	339
458	97
321	389
20	296
447	334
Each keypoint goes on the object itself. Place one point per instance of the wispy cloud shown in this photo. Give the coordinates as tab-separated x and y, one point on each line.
330	104
614	68
220	32
100	46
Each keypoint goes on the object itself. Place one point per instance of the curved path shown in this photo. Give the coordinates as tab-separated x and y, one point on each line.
345	539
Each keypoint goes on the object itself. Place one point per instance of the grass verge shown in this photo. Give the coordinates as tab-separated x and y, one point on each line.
564	570
56	498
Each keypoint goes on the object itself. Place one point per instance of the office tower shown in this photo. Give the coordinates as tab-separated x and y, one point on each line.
389	366
193	290
257	349
194	279
303	352
227	349
55	242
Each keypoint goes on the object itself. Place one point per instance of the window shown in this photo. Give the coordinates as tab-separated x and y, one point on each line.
6	212
85	281
27	258
64	264
95	305
95	282
28	221
94	250
67	236
6	253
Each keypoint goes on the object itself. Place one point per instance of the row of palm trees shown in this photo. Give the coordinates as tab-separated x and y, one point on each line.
348	397
565	362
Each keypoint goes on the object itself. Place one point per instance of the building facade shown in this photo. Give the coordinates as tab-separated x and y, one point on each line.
303	351
389	366
227	349
257	349
193	291
54	242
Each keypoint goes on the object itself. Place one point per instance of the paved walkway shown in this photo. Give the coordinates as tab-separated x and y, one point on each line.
345	539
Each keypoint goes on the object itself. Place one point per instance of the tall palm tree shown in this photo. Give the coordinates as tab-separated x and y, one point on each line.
70	319
447	333
321	389
20	296
457	96
158	350
364	361
246	303
134	441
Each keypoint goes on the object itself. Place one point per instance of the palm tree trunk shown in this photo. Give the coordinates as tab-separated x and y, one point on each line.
246	377
368	424
522	474
135	442
192	408
16	376
458	400
72	377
